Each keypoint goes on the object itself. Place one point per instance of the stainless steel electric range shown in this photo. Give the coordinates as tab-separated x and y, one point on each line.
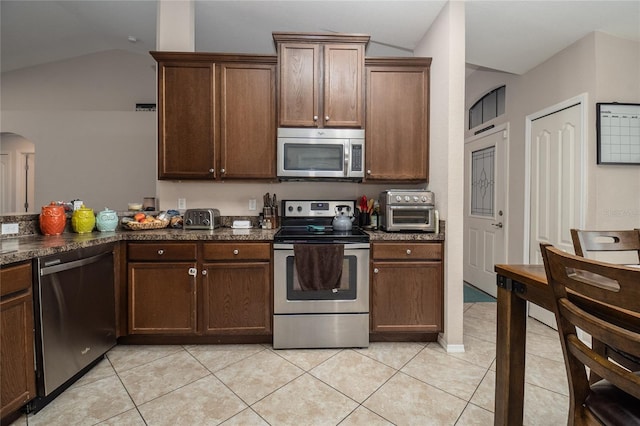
321	279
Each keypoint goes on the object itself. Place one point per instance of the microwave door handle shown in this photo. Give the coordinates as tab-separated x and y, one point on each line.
347	148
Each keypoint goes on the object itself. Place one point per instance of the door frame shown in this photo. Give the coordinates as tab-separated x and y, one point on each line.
505	184
582	101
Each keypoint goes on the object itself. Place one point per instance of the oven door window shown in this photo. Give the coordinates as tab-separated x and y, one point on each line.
346	290
314	157
411	216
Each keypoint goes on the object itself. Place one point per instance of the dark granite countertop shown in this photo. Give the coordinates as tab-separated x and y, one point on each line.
31	246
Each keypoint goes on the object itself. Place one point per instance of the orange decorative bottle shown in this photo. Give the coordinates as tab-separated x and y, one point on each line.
52	219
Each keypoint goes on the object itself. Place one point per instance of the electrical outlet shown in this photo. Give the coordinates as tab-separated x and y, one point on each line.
252	204
182	203
10	228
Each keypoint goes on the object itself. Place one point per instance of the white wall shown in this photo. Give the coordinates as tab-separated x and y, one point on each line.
445	43
607	69
90	143
616	189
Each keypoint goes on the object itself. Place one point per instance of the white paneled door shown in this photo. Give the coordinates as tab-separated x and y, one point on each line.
556	185
484	205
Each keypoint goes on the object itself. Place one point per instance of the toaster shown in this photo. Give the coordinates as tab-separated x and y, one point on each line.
201	219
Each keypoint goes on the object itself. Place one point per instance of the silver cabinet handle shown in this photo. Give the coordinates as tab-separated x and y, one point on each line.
376	270
497	225
223	171
160	252
193	272
236	251
315	118
212	170
368	172
204	272
408	252
326	118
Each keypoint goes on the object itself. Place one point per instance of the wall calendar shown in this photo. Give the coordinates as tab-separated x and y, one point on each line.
618	133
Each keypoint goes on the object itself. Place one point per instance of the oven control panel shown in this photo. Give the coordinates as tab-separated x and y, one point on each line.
406	197
309	208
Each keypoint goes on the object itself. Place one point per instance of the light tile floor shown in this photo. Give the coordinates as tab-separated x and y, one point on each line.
385	384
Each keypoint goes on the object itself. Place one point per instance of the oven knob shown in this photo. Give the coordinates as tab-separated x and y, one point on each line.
205	222
415	198
398	198
290	208
407	198
299	208
423	199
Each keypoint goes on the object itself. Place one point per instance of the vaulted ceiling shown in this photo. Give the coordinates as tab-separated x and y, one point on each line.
510	36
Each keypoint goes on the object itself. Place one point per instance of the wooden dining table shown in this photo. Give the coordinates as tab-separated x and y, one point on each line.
517	285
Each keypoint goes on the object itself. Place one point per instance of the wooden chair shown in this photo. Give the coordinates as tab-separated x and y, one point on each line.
585	242
602	299
594	241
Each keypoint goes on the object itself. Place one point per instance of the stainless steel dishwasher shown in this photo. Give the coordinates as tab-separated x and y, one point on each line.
75	317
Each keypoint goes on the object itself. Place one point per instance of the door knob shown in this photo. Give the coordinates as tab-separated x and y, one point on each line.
497	225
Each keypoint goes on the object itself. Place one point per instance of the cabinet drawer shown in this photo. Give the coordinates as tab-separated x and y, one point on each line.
15	278
162	251
406	251
237	251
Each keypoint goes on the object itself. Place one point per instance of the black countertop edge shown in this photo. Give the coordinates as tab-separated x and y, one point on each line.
18	249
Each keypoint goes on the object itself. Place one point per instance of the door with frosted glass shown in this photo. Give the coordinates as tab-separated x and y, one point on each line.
485	219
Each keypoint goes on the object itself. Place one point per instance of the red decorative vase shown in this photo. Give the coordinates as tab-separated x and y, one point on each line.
52	219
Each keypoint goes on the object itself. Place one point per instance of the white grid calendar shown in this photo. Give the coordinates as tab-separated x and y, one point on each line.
618	133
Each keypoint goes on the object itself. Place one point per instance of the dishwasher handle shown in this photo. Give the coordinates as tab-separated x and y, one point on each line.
48	270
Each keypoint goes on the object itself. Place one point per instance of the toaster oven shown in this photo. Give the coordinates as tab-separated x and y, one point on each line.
407	210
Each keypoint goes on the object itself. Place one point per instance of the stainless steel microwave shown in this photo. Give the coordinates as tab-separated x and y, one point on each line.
320	154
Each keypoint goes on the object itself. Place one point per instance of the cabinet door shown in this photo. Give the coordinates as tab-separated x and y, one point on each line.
343	104
237	298
397	129
406	297
248	121
299	84
186	120
17	377
162	298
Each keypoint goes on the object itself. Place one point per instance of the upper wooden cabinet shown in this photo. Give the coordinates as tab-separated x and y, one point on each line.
397	122
320	79
214	109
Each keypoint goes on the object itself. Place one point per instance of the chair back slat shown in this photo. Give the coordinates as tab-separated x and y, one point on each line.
592	241
603	299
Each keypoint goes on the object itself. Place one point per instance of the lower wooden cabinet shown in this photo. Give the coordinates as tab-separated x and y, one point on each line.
162	288
17	376
199	288
406	287
162	298
237	288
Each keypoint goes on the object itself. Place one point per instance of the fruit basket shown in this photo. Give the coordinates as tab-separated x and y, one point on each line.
138	226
